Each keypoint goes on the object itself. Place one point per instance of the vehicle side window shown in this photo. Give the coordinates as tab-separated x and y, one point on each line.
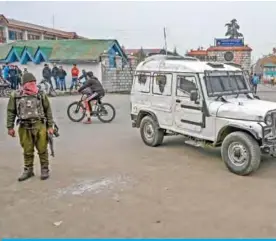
185	84
162	84
142	82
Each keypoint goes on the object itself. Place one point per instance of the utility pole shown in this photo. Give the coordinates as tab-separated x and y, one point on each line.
53	20
165	39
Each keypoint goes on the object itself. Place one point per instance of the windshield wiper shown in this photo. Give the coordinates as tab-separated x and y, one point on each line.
222	98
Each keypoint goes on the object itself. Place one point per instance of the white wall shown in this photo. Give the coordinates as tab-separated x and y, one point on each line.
36	69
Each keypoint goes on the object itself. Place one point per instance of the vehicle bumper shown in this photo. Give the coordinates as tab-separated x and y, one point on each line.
269	146
134	120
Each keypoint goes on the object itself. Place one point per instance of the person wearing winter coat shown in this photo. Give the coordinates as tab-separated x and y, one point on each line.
61	76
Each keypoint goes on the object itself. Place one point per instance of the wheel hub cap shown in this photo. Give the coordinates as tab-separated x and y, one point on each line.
238	154
149	132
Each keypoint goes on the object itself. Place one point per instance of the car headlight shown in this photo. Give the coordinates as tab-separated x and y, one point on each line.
268	120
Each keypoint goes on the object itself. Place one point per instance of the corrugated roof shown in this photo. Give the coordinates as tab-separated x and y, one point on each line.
19	50
4	50
46	51
60	50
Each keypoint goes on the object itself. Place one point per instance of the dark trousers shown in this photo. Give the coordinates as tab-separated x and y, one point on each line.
13	81
56	82
49	81
255	88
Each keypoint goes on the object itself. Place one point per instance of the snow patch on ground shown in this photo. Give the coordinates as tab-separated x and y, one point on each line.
92	186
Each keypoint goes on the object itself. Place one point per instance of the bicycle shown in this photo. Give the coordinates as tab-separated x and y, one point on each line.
47	88
99	110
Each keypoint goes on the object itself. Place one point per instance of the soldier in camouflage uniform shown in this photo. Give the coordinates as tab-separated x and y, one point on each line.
34	116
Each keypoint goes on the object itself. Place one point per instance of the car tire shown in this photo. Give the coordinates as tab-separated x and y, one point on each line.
240	145
151	134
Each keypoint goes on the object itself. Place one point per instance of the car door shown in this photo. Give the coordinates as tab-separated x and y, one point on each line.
162	99
188	114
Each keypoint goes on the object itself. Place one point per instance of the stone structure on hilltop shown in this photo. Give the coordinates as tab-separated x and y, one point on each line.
227	50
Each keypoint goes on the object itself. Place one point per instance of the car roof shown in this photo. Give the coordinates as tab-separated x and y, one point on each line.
163	63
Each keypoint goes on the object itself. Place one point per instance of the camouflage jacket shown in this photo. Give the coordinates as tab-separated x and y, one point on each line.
12	109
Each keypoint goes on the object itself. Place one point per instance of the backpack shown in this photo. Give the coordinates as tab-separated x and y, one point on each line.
29	107
255	80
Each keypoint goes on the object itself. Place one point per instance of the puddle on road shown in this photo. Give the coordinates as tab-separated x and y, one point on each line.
96	186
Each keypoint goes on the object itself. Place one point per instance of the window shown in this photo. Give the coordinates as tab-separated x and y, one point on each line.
33	37
112	61
185	84
49	37
142	82
2	35
15	35
162	84
225	84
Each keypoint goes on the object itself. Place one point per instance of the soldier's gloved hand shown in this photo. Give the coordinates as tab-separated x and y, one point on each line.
51	131
11	132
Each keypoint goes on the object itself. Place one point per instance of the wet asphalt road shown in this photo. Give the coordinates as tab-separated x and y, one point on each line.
106	183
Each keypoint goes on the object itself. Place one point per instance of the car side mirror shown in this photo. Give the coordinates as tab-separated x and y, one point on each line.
193	95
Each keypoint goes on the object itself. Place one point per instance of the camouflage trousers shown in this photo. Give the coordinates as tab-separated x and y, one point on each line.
34	136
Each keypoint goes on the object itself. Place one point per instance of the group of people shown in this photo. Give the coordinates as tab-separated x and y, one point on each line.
59	76
31	110
12	74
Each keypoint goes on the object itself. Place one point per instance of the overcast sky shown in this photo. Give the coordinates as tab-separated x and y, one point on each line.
135	24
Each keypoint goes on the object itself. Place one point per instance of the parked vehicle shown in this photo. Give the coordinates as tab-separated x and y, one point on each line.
46	87
208	103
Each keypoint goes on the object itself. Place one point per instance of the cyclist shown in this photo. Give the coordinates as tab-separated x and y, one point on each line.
94	90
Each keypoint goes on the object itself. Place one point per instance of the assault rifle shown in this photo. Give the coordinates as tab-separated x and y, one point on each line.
51	139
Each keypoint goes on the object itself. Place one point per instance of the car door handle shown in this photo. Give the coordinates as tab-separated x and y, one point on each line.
178	101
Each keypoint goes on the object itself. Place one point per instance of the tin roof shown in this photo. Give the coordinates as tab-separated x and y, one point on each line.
63	50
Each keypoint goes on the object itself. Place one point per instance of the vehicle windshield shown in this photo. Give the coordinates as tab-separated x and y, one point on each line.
225	83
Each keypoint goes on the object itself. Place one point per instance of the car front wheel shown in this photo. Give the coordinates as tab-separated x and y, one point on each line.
241	153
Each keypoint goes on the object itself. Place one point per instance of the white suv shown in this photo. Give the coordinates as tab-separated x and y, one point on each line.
209	103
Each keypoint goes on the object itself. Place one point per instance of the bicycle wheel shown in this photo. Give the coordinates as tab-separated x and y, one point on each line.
76	109
106	113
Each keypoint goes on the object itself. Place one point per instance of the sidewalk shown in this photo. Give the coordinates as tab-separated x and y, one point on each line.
266	88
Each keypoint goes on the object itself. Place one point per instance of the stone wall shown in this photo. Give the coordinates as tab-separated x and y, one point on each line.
242	57
119	79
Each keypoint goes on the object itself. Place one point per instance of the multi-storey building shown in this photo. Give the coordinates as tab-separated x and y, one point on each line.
12	30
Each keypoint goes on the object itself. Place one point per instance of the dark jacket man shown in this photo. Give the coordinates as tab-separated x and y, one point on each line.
55	71
46	72
61	73
34	115
93	83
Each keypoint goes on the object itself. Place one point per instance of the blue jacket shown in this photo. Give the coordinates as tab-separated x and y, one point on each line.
255	80
6	72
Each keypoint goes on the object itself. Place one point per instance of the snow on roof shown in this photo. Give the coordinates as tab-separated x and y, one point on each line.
182	65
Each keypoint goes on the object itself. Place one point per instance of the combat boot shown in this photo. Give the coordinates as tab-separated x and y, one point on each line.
27	173
44	172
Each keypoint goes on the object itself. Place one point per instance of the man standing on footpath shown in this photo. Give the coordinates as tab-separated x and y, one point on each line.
255	82
13	77
55	76
47	74
34	116
75	74
61	76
